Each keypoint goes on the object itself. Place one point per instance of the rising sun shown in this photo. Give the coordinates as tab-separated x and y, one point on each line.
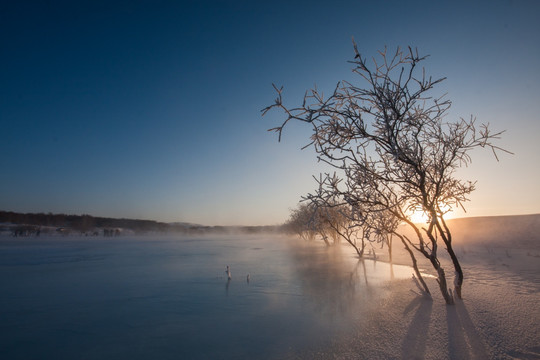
421	217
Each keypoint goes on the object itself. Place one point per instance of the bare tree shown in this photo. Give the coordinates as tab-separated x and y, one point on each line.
299	222
341	223
389	140
372	213
349	222
310	219
384	226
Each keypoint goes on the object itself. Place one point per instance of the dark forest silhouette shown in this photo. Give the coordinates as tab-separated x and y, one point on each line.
31	224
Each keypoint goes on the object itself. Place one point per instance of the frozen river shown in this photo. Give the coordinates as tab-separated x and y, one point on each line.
170	298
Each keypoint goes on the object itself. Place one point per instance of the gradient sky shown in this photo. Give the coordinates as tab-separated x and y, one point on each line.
152	110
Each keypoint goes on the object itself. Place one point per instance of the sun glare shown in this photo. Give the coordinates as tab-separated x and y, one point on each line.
419	217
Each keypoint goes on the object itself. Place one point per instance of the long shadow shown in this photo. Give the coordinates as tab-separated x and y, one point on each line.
414	343
464	341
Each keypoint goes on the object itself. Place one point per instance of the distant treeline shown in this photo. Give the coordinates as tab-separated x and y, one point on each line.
80	222
88	223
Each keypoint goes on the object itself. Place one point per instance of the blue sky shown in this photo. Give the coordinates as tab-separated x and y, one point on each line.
152	109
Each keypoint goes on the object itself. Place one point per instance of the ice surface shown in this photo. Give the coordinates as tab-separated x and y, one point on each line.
169	298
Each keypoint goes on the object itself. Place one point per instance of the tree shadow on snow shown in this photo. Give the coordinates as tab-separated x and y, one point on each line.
414	343
464	341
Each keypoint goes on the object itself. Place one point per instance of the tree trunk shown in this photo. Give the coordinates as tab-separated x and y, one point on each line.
441	278
325	239
448	298
415	267
446	236
458	282
360	252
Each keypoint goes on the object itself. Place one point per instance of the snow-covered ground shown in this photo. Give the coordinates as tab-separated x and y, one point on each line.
137	298
498	318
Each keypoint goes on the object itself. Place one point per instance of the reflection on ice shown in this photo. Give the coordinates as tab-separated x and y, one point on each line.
163	298
337	281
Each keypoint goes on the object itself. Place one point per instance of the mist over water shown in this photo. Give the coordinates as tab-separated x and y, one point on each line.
170	298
